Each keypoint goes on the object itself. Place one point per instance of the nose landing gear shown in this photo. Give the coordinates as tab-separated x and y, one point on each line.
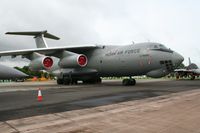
129	82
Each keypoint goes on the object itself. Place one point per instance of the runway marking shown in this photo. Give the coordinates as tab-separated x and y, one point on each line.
16	130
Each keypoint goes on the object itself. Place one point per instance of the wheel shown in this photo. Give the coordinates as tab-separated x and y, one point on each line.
66	81
59	81
85	81
132	82
98	80
192	77
177	76
74	81
127	82
92	81
88	81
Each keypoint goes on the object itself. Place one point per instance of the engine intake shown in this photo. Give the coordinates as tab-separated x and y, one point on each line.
82	60
47	62
73	61
41	63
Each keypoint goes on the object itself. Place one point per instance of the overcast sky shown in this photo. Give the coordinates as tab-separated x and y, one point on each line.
175	23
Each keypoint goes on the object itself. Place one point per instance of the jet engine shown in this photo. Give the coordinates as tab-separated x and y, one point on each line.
157	73
73	61
41	63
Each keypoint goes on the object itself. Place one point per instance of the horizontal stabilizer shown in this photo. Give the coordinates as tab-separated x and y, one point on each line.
35	34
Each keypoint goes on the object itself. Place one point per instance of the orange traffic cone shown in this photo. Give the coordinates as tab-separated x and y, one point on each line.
39	95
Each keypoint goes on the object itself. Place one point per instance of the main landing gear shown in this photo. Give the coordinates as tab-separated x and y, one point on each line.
129	82
70	81
97	80
93	81
192	77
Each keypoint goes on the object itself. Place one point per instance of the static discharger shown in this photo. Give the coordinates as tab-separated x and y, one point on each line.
39	98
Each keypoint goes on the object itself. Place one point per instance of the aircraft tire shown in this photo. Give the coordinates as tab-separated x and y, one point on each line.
132	82
177	77
93	81
59	81
98	80
66	81
128	82
74	81
192	77
88	81
125	82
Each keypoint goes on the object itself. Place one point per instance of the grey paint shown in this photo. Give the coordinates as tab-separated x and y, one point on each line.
10	73
130	60
151	59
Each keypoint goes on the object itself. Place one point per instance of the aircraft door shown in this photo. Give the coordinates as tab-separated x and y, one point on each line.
145	58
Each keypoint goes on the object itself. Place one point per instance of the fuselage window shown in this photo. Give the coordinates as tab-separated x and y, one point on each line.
155	46
162	62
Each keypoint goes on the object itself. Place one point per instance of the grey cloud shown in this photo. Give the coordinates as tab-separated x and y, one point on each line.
101	21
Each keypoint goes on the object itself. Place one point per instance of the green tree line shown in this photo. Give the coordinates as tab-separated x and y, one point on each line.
38	74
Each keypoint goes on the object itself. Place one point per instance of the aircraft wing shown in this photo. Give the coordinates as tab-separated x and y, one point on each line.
194	71
182	70
197	71
47	51
185	71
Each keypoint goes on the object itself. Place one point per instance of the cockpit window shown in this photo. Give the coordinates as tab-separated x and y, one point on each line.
162	46
158	46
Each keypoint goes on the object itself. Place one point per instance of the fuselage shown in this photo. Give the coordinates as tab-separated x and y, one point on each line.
91	62
10	73
152	59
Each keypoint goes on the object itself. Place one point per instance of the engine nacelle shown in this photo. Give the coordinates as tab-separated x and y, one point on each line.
41	63
73	61
157	73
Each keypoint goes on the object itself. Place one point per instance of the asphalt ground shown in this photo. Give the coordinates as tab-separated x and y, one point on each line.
19	100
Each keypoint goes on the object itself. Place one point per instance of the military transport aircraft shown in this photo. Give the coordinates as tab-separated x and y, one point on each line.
191	70
10	73
88	63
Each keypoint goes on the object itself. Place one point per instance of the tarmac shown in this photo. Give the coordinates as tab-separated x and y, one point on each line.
152	106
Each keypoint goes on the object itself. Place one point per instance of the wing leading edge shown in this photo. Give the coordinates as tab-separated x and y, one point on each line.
46	51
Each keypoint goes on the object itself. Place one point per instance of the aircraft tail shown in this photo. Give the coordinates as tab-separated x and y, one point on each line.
189	61
38	35
191	65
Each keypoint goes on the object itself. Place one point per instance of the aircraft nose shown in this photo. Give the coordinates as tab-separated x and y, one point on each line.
177	58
